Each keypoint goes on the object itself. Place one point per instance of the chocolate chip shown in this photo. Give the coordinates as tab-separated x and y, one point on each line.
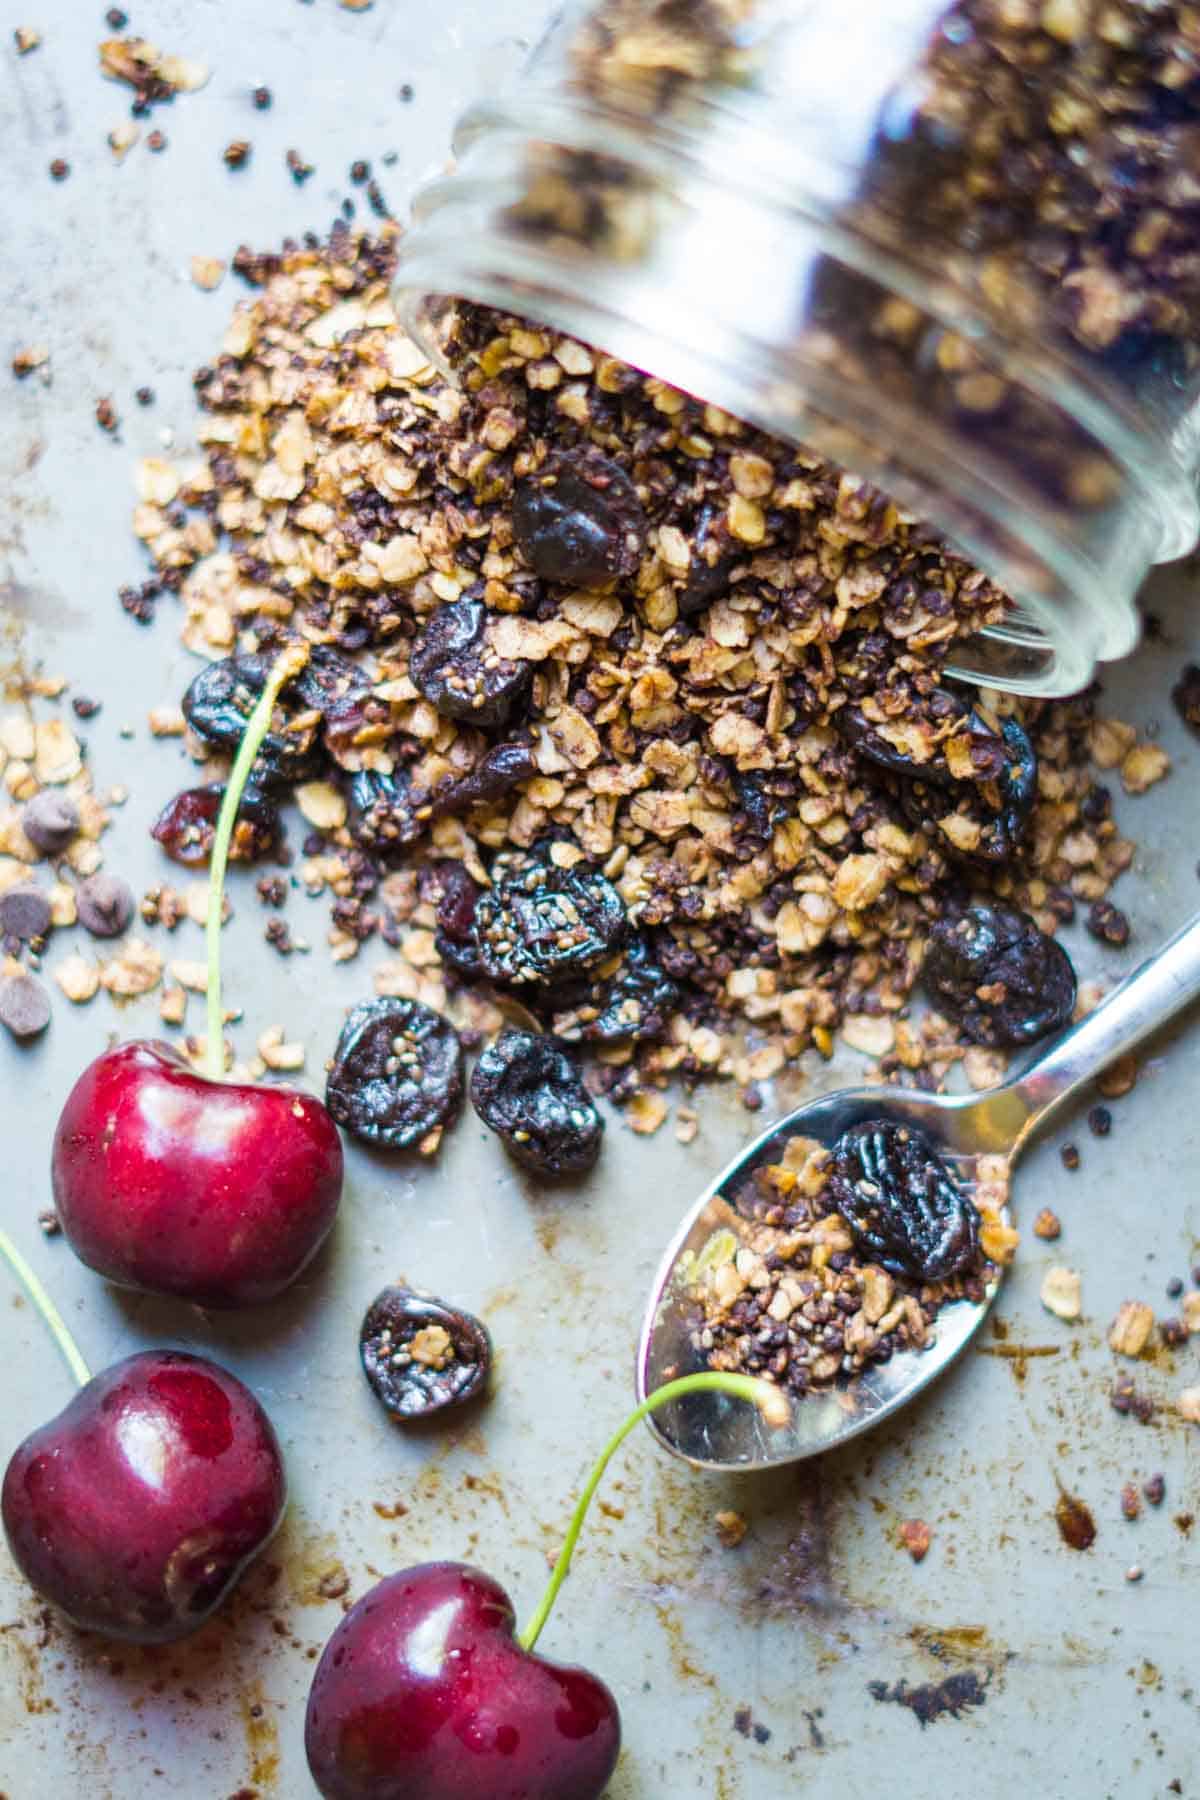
105	905
24	912
50	821
24	1005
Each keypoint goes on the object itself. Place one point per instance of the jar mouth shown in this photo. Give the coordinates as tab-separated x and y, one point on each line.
699	319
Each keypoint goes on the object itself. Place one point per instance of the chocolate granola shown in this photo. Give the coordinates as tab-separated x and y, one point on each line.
738	721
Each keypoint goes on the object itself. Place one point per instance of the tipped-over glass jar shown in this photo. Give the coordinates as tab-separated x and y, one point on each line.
956	249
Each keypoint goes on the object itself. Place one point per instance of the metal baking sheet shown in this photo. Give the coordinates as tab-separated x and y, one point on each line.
1074	1682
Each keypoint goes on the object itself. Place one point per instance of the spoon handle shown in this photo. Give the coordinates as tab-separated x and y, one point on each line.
1154	993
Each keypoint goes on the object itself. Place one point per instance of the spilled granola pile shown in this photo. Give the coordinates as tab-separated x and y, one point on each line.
574	630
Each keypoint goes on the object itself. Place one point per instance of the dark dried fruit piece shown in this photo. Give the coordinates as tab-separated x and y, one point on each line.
528	1092
985	773
579	520
380	814
334	686
715	553
459	673
633	1005
543	924
421	1355
902	1203
187	825
1186	696
220	700
455	940
1004	982
496	774
397	1073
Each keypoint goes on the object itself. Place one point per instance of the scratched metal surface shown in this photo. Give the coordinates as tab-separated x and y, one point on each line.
1086	1680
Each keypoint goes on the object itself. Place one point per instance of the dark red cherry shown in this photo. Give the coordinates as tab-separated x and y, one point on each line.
217	1191
423	1693
140	1506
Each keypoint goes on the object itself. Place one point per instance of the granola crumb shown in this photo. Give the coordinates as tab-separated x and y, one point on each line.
1061	1292
731	1528
208	272
916	1537
1131	1330
1047	1225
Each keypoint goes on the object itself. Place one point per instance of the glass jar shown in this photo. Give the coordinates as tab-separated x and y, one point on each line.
951	248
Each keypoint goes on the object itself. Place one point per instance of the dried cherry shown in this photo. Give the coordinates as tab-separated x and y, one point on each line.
715	555
498	772
219	702
541	924
459	674
989	778
397	1073
187	825
1004	982
380	815
633	1005
421	1355
455	939
334	686
904	1206
578	519
530	1093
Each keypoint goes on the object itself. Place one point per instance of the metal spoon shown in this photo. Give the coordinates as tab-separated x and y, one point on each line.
714	1432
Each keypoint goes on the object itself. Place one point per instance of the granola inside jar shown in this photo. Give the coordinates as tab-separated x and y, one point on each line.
948	247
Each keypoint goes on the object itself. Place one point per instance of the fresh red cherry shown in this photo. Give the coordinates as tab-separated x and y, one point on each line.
139	1507
180	1182
219	1192
426	1691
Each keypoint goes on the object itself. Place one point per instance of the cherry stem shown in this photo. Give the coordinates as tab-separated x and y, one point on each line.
771	1402
288	663
55	1322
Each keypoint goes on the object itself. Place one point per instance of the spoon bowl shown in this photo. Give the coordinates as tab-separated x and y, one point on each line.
713	1432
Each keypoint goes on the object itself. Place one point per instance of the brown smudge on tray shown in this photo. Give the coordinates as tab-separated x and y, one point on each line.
1076	1526
262	1739
1018	1356
312	1568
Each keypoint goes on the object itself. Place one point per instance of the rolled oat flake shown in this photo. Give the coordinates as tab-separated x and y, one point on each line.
50	821
105	905
24	912
24	1005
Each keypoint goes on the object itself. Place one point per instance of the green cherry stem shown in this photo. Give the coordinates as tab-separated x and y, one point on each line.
55	1322
771	1402
288	663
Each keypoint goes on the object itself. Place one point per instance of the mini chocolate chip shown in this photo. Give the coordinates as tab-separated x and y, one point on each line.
105	905
262	98
24	912
50	821
24	1005
1174	1288
1099	1121
1070	1156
